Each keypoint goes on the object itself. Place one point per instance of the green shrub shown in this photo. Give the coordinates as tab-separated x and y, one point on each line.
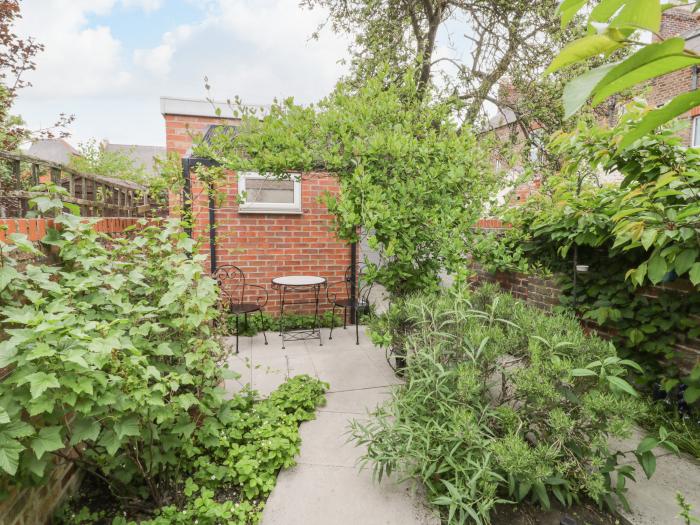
232	464
502	403
114	366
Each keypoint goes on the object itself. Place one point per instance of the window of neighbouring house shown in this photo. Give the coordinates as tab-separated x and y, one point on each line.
695	135
266	194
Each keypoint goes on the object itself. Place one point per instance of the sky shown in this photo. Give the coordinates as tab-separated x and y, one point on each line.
108	61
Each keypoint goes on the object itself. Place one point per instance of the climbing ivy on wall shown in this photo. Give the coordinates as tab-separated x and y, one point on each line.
642	229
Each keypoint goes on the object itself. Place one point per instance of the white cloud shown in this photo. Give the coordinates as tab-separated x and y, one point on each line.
145	5
258	49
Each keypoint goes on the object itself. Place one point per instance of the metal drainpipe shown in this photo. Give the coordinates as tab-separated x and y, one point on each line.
353	279
695	78
212	229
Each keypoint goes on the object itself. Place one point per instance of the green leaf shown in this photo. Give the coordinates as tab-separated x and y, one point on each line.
110	442
604	10
657	117
647	444
694	274
685	260
7	275
640	14
648	238
128	426
9	455
621	385
582	372
39	382
691	394
634	70
648	463
84	429
568	9
579	89
657	268
581	49
48	440
541	493
24	244
4	416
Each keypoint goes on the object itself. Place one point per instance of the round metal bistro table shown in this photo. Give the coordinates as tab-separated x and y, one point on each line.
290	284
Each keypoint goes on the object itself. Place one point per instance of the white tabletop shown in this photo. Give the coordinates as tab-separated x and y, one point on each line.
298	280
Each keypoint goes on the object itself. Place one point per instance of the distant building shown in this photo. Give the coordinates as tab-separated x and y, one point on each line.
59	151
52	150
141	155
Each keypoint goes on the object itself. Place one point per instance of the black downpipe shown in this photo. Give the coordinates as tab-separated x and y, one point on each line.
212	229
353	280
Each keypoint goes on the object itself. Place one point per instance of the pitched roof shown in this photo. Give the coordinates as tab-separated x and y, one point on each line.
141	155
52	150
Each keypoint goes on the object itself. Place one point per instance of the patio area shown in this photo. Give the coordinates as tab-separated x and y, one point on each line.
326	485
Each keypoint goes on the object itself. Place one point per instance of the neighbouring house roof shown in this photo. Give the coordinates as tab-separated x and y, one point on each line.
199	108
141	155
503	117
52	150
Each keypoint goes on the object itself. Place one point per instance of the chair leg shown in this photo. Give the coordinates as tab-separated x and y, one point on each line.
345	318
237	333
332	323
262	325
357	328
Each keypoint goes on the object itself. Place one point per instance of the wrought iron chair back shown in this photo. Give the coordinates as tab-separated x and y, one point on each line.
231	281
359	300
233	285
363	289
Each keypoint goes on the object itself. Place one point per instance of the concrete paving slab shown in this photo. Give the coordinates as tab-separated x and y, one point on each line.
653	501
301	364
326	441
331	495
630	444
356	402
351	371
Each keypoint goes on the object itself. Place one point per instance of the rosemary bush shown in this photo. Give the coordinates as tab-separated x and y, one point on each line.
502	403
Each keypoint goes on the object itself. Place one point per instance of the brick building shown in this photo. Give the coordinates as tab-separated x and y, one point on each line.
682	22
281	229
679	21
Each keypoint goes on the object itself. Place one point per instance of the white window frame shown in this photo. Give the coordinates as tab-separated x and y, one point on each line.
693	134
269	207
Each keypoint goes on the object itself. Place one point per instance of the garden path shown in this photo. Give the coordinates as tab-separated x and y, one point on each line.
326	487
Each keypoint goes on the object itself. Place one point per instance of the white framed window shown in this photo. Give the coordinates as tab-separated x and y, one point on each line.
695	133
267	194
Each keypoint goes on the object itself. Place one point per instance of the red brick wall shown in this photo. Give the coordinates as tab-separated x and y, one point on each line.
264	245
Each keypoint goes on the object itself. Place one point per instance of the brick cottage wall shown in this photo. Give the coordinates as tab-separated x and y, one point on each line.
35	506
263	245
545	293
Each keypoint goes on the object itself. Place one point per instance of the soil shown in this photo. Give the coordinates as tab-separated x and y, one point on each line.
584	514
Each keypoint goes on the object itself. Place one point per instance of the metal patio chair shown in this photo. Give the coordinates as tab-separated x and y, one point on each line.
233	286
340	295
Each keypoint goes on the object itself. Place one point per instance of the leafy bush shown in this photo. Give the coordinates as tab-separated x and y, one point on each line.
257	323
503	403
409	176
232	465
641	231
114	366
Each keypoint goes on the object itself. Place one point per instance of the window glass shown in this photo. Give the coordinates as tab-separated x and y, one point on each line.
696	132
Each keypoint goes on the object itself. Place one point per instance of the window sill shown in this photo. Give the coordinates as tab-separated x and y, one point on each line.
268	211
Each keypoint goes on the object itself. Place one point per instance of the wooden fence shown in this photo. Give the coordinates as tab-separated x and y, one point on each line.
95	195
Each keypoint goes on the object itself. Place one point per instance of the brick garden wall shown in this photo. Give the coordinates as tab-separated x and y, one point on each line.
34	506
264	245
545	293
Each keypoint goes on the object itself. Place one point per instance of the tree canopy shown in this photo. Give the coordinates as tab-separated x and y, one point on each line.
409	176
